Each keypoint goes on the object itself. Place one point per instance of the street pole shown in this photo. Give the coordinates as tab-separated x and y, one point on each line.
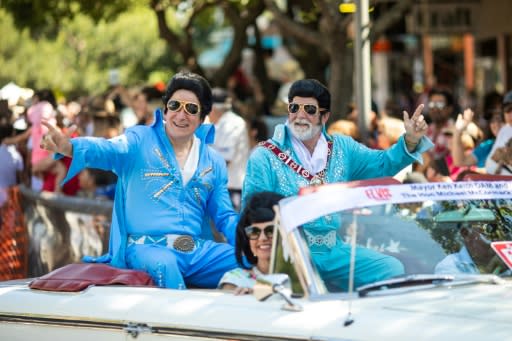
362	61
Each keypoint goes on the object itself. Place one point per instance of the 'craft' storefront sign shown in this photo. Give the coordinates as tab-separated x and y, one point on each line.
443	18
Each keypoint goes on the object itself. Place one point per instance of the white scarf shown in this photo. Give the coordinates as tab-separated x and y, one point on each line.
315	162
192	160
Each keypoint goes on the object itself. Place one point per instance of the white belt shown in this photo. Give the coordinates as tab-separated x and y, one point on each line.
178	242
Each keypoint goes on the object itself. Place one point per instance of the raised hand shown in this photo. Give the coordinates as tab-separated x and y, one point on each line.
415	126
56	141
463	120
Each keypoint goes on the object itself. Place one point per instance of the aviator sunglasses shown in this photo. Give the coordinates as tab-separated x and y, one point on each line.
253	232
190	107
310	109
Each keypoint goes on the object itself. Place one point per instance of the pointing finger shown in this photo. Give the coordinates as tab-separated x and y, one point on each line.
417	112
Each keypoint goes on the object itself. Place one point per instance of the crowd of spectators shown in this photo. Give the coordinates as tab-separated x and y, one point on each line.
476	140
466	139
23	161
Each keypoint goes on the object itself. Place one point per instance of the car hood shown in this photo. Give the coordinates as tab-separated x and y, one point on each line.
479	311
471	312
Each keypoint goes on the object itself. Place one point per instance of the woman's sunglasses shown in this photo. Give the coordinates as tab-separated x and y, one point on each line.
309	109
254	232
190	108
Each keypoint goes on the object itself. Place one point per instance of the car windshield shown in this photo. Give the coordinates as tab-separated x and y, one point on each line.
398	231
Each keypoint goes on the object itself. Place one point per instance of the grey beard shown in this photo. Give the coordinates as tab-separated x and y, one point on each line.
307	134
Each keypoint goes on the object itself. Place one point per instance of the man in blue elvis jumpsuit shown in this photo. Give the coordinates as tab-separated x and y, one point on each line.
305	144
158	214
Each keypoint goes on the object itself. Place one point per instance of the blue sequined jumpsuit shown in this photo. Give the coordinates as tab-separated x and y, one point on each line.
349	161
152	206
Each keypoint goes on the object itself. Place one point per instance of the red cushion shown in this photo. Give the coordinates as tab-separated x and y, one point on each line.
79	276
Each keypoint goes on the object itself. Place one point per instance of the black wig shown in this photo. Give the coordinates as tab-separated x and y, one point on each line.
192	82
259	208
311	88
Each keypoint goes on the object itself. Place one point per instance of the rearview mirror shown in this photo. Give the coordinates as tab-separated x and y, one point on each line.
467	214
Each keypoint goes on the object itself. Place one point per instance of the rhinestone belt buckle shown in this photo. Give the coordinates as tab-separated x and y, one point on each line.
184	244
328	239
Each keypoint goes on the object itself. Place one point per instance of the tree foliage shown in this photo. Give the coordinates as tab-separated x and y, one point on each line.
236	14
86	38
320	27
184	26
78	59
44	17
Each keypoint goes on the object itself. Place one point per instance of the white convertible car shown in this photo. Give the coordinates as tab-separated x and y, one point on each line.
453	239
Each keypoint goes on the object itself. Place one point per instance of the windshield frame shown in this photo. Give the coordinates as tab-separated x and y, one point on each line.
320	202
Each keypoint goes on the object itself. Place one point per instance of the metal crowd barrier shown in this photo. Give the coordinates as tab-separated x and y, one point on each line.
40	232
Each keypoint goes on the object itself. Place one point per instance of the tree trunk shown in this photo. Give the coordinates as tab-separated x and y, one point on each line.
240	21
340	75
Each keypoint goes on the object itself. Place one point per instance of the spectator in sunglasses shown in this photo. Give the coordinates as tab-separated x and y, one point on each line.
440	109
253	246
301	153
169	182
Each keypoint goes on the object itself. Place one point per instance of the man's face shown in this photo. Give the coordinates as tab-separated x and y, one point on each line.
438	109
181	123
305	123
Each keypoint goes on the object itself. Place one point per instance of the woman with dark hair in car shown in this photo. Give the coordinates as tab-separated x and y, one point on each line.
253	246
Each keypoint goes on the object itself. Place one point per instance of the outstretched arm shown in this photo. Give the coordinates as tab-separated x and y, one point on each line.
94	152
